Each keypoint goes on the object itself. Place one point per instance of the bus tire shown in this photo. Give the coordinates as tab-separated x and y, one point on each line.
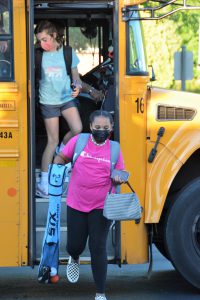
159	231
183	233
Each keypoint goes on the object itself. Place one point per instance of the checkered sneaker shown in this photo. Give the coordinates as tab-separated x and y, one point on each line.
100	297
72	270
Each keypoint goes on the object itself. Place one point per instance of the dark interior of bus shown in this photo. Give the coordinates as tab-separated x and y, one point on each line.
88	29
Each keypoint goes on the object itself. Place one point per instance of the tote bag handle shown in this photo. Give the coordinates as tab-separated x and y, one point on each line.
129	185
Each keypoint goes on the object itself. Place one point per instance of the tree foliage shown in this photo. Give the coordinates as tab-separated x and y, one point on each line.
165	37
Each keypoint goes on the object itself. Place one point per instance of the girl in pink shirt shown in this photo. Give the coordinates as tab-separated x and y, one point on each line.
89	183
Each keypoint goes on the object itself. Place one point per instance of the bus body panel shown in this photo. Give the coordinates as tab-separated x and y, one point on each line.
181	124
179	141
160	176
13	152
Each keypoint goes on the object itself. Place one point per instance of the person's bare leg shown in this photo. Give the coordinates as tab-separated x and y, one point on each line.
72	117
52	129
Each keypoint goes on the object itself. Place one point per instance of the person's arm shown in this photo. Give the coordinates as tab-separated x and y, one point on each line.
76	81
94	93
75	77
66	155
3	46
61	159
74	70
119	166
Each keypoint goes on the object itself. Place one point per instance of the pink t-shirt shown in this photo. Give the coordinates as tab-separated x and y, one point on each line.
90	179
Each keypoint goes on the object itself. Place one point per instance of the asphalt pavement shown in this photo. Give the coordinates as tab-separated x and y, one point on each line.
126	283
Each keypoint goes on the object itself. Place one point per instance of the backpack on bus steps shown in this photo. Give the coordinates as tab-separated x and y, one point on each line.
48	267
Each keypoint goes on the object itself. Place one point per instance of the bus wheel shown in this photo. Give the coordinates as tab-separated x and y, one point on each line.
158	236
183	233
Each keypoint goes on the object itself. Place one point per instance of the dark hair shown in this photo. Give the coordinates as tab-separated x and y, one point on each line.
101	113
50	28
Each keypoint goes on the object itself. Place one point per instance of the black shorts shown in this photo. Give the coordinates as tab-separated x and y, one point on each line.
51	111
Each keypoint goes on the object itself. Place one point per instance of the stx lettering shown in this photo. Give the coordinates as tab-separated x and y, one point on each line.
52	222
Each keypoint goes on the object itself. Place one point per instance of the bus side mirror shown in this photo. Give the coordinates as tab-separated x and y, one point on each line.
153	76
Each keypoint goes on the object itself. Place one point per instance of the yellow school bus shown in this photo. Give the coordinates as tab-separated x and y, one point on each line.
159	132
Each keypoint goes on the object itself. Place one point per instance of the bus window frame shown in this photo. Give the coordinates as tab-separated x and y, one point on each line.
9	37
128	64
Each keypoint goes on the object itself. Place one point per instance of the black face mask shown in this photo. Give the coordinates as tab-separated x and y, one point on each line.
100	135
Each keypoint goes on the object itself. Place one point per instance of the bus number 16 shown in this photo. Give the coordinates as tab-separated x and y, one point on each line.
140	105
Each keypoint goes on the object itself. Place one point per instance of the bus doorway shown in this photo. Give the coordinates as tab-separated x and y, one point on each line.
88	28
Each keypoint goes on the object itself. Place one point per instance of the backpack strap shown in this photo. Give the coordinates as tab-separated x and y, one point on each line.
80	145
114	153
38	63
67	52
38	67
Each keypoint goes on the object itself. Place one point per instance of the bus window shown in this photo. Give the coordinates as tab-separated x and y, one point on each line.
136	61
85	42
6	49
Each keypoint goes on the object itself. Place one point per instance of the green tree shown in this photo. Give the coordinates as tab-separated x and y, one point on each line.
161	43
165	37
